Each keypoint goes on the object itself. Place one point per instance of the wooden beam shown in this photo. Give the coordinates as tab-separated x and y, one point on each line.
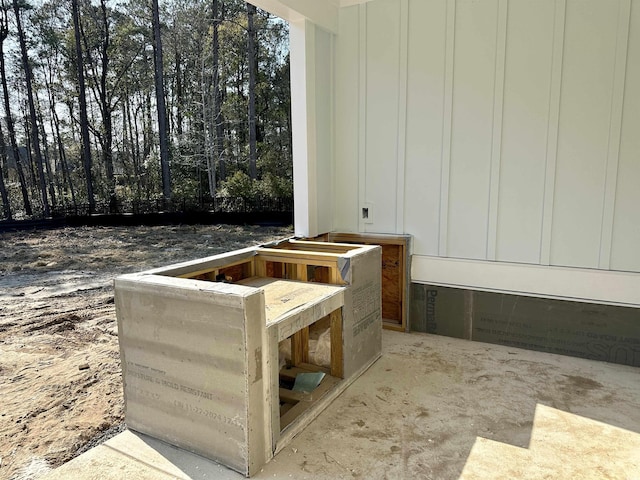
297	256
301	272
336	278
311	246
337	359
300	347
289	396
260	267
290	373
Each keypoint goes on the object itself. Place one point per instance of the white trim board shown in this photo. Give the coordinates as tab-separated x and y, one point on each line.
576	284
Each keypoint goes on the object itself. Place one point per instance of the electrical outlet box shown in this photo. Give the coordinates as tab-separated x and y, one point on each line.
367	213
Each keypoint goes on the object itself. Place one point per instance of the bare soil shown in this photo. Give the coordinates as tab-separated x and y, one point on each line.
60	377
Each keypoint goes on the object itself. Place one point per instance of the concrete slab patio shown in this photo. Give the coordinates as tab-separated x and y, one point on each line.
435	408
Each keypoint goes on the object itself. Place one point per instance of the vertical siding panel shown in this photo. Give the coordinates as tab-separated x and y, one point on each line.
382	112
427	30
552	132
402	115
472	121
512	140
447	128
625	253
615	132
526	123
362	110
346	161
496	134
585	113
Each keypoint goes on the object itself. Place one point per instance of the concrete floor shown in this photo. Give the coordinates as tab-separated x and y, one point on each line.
436	408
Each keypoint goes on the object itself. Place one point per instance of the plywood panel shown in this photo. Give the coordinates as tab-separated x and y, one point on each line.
382	88
346	122
529	49
425	110
472	121
585	115
392	281
625	253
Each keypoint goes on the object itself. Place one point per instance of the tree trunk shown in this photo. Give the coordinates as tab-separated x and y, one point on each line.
47	156
9	117
82	97
135	147
59	183
252	60
162	111
147	129
217	95
35	141
62	154
107	140
208	130
179	101
129	141
3	167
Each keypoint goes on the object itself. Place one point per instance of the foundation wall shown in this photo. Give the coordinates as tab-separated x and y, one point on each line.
598	332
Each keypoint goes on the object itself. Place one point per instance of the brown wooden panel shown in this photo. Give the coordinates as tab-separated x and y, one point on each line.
321	274
392	282
394	249
275	269
236	272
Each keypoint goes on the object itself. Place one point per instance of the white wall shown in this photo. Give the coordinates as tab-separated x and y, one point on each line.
503	130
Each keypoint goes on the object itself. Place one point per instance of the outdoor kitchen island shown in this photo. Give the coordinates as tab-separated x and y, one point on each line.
231	356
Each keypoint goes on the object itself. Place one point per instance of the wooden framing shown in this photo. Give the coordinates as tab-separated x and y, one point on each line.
395	271
225	317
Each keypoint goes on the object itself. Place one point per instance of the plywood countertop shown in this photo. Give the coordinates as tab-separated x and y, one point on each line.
287	300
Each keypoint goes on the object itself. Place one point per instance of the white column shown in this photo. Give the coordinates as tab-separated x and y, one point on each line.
302	51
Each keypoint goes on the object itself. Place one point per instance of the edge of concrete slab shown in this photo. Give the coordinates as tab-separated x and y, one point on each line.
136	456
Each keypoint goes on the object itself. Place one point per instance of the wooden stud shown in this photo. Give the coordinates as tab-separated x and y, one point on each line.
300	347
289	396
260	267
301	272
337	359
298	256
304	338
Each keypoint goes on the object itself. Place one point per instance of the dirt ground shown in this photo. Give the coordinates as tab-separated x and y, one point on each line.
60	379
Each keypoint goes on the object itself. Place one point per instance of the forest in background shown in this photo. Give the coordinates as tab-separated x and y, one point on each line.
138	106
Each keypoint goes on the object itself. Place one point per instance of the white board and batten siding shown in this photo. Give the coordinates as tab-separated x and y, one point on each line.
497	133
